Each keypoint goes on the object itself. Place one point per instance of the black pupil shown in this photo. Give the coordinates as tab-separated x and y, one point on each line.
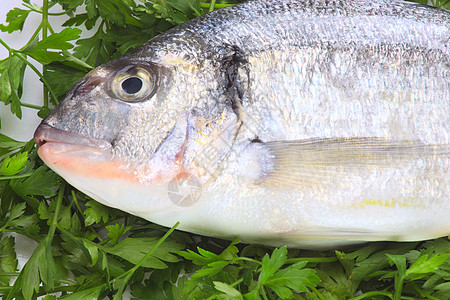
132	85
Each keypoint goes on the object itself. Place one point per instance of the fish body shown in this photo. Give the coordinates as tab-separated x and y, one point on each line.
303	123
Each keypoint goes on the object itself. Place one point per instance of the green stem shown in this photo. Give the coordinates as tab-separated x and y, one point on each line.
207	5
49	13
317	293
372	294
15	176
423	293
54	224
58	289
263	292
311	260
22	58
75	201
212	5
398	284
29	105
9	274
44	35
249	259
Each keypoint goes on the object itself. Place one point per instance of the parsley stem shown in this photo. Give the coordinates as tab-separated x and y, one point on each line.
311	260
54	224
423	293
398	287
29	105
44	35
75	201
207	5
32	8
10	274
317	293
372	294
212	5
248	259
15	176
263	292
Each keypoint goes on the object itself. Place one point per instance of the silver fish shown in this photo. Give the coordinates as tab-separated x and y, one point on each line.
302	123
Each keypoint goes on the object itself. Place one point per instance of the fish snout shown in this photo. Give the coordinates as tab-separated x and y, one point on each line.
46	133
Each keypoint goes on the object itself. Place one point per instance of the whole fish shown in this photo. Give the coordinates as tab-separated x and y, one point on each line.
285	122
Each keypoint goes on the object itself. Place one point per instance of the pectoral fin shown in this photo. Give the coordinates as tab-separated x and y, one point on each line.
317	161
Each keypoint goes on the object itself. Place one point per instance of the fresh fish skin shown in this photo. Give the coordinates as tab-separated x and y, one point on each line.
310	123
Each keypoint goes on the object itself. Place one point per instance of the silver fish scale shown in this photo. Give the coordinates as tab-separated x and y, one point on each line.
343	68
352	96
382	64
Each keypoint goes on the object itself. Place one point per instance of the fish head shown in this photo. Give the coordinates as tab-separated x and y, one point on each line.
131	126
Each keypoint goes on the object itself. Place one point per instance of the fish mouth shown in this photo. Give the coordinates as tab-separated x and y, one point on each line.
47	134
74	156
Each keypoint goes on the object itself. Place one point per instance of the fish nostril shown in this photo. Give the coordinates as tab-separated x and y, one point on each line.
40	142
39	135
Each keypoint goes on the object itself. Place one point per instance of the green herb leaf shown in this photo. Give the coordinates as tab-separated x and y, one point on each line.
12	70
425	265
15	19
43	182
399	261
7	144
88	294
93	252
95	213
228	290
116	231
134	249
59	40
12	165
35	270
272	264
8	261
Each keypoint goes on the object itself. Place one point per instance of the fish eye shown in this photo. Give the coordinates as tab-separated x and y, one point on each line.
133	84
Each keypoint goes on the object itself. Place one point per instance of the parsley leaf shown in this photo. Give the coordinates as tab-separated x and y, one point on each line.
8	261
8	145
95	213
15	19
12	165
134	249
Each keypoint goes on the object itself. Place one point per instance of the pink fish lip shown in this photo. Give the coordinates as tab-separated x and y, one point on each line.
48	134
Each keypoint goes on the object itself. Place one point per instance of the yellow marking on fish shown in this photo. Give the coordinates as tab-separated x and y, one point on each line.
382	203
172	59
209	129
